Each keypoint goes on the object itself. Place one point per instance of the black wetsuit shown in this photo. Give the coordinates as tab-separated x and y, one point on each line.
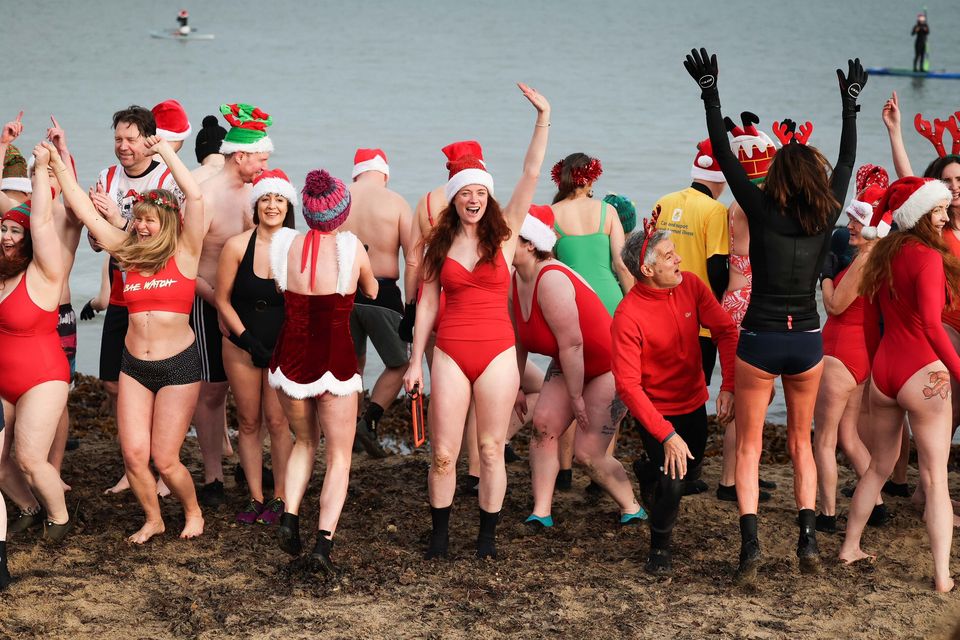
921	30
257	301
785	260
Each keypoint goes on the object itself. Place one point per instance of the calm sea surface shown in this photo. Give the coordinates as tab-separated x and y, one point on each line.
410	77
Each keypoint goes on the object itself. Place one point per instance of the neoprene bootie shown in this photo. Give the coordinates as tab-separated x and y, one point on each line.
321	552
749	550
660	560
440	535
5	578
486	539
289	534
807	550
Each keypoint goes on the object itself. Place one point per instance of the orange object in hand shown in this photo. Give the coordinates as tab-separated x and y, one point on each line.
419	425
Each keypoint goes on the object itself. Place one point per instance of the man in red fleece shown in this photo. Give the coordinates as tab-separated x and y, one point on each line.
659	374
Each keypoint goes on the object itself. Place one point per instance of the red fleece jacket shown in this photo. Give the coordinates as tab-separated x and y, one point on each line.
656	350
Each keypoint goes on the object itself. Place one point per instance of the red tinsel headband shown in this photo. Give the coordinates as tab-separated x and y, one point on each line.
581	176
935	133
787	132
649	227
153	197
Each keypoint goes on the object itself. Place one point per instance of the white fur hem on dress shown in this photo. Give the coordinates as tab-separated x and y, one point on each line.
328	383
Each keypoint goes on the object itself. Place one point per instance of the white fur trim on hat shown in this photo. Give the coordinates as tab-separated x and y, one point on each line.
174	136
862	212
278	186
328	383
539	234
16	184
920	203
374	164
466	177
263	145
699	173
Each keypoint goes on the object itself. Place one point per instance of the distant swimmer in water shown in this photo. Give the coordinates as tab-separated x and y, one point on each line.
920	31
182	18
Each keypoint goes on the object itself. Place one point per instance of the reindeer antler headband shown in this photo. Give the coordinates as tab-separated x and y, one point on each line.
649	228
935	133
786	132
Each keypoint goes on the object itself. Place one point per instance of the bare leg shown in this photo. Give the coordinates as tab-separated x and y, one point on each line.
834	397
449	400
281	444
302	415
172	409
246	381
338	417
12	480
37	414
494	393
551	421
753	387
800	392
210	420
134	428
59	446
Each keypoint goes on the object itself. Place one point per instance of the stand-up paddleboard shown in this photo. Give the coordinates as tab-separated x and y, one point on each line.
893	71
174	34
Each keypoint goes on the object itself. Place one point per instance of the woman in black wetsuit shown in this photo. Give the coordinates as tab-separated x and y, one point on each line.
790	221
251	308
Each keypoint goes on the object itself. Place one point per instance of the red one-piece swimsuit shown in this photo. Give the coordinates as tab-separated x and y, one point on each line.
913	334
475	325
844	337
535	334
30	352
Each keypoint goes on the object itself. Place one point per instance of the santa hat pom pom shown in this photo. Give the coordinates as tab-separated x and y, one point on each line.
869	233
705	162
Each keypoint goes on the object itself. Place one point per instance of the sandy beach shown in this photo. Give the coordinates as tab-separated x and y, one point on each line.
584	579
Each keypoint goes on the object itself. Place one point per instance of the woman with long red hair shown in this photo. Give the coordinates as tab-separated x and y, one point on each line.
468	253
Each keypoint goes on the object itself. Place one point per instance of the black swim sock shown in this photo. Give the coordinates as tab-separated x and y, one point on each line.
749	544
440	535
322	549
372	415
486	539
807	541
564	479
288	533
4	573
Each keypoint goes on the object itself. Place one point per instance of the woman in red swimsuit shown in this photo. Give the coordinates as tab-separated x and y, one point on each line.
468	254
35	375
557	314
846	365
906	280
314	366
160	367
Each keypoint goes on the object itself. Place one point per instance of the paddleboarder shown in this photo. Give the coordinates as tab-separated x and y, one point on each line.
182	18
920	32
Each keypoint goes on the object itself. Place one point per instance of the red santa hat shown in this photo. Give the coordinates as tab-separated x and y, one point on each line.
705	165
273	181
466	166
909	199
370	160
538	227
865	209
172	122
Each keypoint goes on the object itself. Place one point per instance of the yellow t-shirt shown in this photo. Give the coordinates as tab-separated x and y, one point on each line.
698	228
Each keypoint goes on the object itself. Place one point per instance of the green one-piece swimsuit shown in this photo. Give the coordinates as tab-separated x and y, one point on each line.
589	255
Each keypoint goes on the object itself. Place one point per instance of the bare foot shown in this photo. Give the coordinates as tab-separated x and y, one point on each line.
944	586
147	531
856	556
192	528
122	485
162	489
227	445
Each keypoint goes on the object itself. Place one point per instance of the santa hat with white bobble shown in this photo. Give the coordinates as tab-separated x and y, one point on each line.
370	160
909	199
466	166
705	165
273	181
538	227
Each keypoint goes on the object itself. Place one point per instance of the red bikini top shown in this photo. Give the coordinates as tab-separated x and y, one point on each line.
166	290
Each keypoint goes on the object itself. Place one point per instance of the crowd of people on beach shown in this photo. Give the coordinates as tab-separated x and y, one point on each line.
200	297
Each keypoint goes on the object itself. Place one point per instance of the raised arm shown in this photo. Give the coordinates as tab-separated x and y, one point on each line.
851	85
193	224
522	196
891	119
109	237
47	253
703	68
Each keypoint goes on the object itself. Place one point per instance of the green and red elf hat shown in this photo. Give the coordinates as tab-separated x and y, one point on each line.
248	132
19	214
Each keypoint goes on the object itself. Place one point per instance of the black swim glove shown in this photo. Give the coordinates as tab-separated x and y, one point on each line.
88	312
702	67
406	323
249	343
851	85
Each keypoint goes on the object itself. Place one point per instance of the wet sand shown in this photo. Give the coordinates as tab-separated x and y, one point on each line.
584	579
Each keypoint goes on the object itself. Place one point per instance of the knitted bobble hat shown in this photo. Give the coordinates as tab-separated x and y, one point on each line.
19	214
209	138
15	175
326	201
